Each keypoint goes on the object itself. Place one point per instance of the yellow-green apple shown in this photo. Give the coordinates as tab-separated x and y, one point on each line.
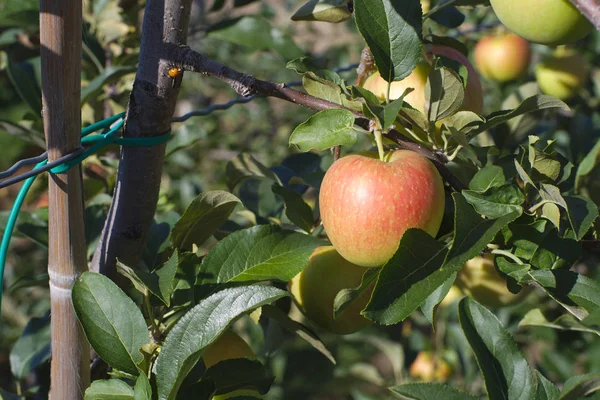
479	279
550	22
562	74
454	294
502	58
418	78
229	346
427	368
314	290
367	204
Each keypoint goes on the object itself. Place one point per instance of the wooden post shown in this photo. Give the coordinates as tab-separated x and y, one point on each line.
60	39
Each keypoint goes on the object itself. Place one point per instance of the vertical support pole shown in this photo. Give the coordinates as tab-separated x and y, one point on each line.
60	39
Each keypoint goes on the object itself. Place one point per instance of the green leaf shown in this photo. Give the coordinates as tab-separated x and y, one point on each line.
325	129
587	178
113	389
545	389
260	253
299	329
506	371
142	389
97	85
345	297
580	386
391	110
200	327
305	65
498	202
243	167
582	214
428	307
393	32
255	33
444	91
4	395
233	374
324	10
23	78
488	177
32	348
565	322
530	104
296	209
112	322
428	391
405	281
205	214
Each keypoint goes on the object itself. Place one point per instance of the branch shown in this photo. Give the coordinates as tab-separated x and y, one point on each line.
366	66
149	113
247	85
590	9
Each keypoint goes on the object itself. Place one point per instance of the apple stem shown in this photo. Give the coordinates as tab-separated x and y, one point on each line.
379	141
387	95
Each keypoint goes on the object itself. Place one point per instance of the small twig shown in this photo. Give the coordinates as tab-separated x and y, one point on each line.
590	9
366	66
247	85
337	150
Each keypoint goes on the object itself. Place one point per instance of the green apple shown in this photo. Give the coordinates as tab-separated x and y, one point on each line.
551	22
314	290
427	367
367	204
502	58
229	346
562	74
479	279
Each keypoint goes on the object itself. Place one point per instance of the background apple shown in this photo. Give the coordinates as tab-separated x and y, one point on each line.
550	22
229	346
426	367
418	78
562	74
367	204
479	279
314	290
502	58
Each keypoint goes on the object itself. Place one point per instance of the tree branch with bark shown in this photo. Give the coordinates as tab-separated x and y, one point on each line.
590	9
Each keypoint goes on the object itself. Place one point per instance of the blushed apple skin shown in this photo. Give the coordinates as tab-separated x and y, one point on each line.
550	22
502	58
314	290
418	79
562	74
367	204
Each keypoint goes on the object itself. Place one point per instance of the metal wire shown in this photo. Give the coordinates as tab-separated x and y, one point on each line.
19	164
47	167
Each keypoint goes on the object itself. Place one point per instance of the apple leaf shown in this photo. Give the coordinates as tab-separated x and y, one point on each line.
428	307
505	370
578	387
408	278
393	31
205	214
582	214
545	389
260	253
305	65
112	322
487	177
109	389
497	202
324	10
32	348
427	391
233	374
565	322
200	327
296	209
531	104
243	167
346	296
444	92
325	129
142	389
587	179
299	329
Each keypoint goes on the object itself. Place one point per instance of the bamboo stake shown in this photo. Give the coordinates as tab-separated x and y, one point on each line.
60	37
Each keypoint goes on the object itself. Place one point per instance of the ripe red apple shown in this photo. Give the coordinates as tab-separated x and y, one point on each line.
418	78
314	290
502	58
367	204
550	22
562	74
